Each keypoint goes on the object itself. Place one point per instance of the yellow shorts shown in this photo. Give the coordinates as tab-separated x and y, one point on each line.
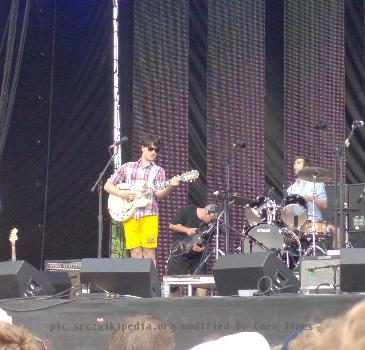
142	232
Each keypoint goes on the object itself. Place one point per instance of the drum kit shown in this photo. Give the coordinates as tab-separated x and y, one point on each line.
283	229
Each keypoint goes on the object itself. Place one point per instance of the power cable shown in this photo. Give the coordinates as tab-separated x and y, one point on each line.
49	136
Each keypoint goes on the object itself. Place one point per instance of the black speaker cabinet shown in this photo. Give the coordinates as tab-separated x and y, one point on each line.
352	270
357	209
238	272
71	267
60	281
19	279
137	277
329	213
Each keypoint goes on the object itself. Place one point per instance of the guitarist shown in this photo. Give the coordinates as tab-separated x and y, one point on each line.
141	231
186	223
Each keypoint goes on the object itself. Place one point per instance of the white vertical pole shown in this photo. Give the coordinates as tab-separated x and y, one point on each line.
116	124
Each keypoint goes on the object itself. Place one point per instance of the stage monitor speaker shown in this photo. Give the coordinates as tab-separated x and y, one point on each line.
19	279
136	277
238	272
352	270
60	281
318	270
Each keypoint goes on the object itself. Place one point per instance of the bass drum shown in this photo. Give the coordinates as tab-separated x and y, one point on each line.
280	241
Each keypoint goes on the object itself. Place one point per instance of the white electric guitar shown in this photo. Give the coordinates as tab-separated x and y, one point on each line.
121	209
13	238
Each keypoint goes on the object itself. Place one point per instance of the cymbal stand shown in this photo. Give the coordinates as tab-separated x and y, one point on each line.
346	220
217	250
341	155
313	229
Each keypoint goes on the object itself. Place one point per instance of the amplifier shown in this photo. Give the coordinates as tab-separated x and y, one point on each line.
319	270
72	267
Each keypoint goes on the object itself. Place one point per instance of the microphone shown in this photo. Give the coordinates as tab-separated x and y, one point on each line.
321	125
117	143
219	193
357	124
359	200
239	144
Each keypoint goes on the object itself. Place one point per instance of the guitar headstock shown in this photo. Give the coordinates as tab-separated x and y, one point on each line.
189	176
13	235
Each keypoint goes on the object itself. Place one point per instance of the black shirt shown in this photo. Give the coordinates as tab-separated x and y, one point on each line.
188	217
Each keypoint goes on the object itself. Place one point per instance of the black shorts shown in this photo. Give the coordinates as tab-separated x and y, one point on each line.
186	265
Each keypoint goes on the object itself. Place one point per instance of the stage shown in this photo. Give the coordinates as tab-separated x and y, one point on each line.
86	321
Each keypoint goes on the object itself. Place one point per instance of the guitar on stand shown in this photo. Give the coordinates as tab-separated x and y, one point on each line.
13	238
121	209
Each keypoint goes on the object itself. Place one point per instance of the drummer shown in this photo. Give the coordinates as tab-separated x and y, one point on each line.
305	189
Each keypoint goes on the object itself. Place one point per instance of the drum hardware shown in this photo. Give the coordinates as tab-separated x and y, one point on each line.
262	210
294	211
239	144
228	199
314	174
312	248
217	251
252	240
280	241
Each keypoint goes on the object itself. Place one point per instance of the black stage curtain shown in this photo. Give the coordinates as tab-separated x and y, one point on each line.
59	132
355	97
274	98
197	133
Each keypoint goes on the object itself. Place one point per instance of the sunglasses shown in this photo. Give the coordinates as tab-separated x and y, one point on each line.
150	148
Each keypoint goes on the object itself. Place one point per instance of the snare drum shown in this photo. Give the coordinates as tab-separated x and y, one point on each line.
322	230
294	211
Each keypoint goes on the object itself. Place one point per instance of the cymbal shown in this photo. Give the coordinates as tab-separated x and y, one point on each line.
316	174
239	200
348	210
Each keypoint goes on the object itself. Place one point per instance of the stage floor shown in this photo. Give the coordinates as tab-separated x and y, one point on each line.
86	321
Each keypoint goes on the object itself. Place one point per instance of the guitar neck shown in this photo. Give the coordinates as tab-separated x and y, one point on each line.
164	184
13	252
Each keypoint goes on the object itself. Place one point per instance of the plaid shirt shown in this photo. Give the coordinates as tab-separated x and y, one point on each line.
134	175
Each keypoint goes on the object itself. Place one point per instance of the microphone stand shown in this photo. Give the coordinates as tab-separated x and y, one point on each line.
341	156
227	195
99	183
331	140
226	211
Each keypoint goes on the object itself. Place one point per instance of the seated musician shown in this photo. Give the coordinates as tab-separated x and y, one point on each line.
188	222
305	189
